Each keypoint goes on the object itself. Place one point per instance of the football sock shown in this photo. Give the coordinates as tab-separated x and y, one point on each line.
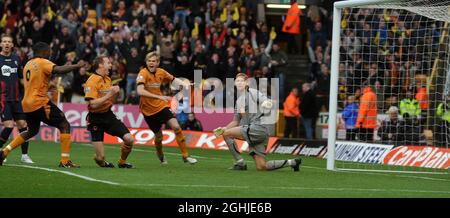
159	151
278	164
65	147
4	136
233	149
181	143
125	150
25	145
13	145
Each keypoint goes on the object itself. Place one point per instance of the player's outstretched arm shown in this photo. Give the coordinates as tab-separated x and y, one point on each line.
142	92
220	130
178	82
68	68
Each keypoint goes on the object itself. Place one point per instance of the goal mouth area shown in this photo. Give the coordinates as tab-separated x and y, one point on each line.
434	9
398	50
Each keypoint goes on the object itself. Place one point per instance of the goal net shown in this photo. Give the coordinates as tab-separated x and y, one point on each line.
390	86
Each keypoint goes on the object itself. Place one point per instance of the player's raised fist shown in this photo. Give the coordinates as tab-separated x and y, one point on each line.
115	89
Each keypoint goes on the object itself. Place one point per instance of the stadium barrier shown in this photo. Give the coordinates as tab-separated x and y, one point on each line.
419	156
132	118
205	140
310	148
360	152
145	137
408	156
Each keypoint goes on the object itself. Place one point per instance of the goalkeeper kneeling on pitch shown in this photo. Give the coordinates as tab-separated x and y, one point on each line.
247	126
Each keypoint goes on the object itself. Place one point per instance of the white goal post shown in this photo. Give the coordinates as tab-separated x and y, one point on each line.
431	11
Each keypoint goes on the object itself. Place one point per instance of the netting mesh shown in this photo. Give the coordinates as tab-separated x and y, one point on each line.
393	75
434	9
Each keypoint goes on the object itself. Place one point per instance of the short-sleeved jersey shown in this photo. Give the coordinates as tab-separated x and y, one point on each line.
247	110
152	83
37	74
98	86
11	68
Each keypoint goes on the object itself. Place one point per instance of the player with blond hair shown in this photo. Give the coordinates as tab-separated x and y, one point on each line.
155	107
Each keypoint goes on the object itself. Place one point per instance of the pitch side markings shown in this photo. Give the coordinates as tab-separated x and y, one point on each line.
87	178
224	186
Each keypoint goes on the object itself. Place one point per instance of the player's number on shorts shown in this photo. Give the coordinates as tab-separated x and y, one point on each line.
27	75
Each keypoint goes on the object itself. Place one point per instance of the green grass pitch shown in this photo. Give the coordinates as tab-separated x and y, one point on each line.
210	178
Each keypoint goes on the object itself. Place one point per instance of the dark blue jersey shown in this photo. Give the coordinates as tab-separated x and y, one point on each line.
11	73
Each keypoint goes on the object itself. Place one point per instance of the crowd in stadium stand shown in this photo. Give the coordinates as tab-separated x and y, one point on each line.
219	37
388	49
393	51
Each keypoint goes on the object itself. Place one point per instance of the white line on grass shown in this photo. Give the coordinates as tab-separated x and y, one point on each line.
145	151
67	173
294	188
303	166
225	186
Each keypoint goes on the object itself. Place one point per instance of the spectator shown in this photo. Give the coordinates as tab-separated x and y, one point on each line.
350	115
214	68
409	106
134	62
308	110
67	79
367	115
411	132
422	98
79	79
322	88
184	68
192	123
291	114
181	12
278	62
389	130
132	99
125	30
443	134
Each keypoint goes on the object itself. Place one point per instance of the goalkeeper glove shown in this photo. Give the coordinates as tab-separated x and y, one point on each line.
218	131
267	104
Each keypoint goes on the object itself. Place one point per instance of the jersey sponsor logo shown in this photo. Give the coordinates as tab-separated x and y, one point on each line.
140	79
7	70
360	152
419	156
153	85
87	90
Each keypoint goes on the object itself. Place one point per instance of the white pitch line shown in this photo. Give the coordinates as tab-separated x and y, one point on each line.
294	188
145	151
225	186
309	167
67	173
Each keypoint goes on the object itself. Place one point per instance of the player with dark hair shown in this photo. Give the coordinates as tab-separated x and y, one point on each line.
100	93
10	106
38	107
248	126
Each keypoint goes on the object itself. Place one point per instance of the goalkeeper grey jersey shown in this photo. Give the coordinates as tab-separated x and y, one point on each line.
247	109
